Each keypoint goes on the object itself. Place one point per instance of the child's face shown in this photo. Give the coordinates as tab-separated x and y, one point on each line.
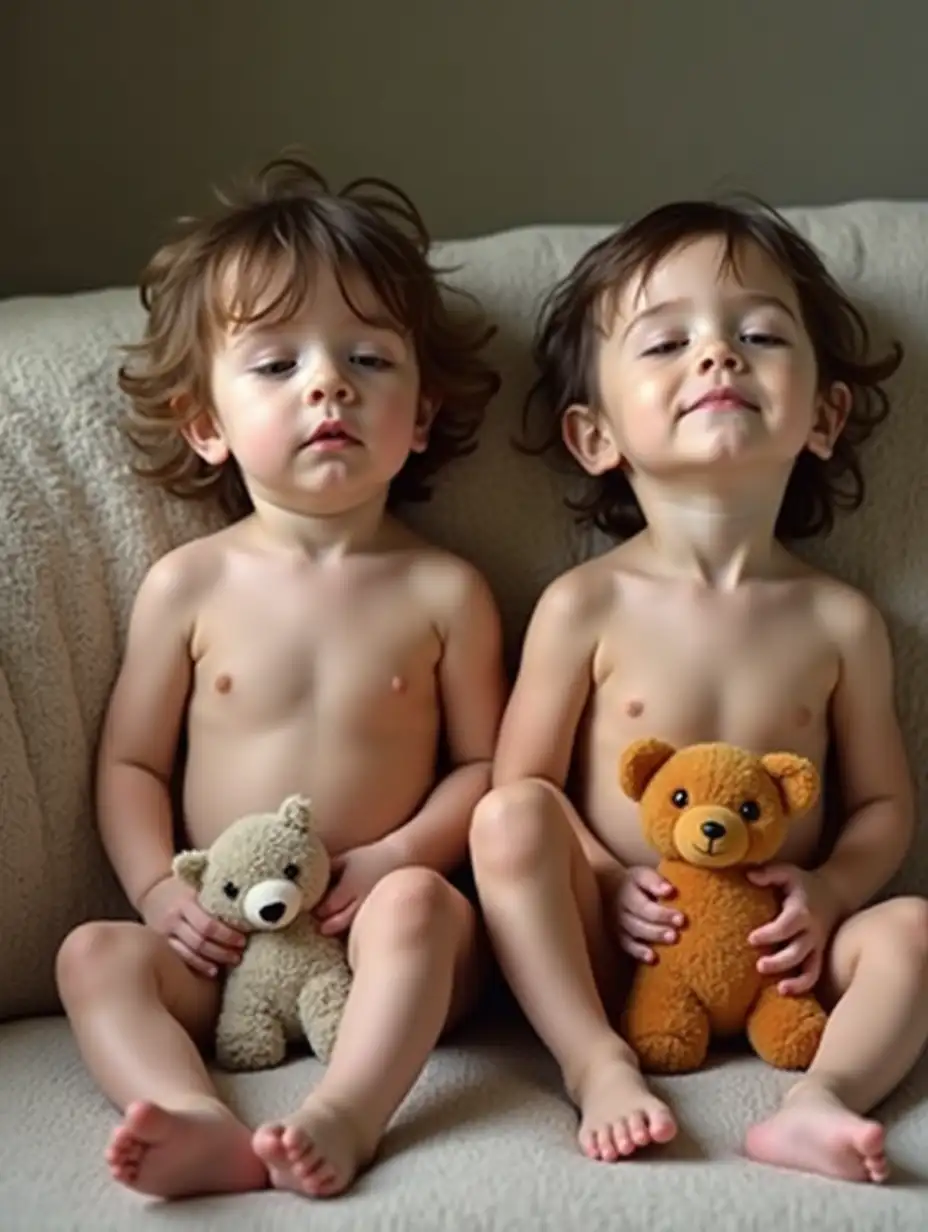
706	364
320	411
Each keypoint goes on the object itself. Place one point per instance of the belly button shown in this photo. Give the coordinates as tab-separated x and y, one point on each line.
803	716
635	708
223	683
398	684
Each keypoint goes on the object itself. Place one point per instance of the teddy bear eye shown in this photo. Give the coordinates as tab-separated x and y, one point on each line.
750	810
230	890
292	871
680	798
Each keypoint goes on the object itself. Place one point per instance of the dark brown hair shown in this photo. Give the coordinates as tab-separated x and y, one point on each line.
571	323
287	220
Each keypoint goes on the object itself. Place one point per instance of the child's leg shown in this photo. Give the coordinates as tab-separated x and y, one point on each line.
879	966
414	952
544	914
136	1008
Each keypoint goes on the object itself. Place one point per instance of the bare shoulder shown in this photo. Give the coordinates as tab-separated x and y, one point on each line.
849	617
583	597
178	582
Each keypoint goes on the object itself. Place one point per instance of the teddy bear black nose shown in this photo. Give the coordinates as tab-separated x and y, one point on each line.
713	830
272	912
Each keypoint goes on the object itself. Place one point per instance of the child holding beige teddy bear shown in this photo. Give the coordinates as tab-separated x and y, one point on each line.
703	369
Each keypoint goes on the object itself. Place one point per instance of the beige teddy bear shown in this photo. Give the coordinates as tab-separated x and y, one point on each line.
263	875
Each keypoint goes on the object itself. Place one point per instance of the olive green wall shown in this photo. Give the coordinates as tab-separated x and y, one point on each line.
119	114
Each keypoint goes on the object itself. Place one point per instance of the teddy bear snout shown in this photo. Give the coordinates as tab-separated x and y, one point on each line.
713	830
710	835
272	904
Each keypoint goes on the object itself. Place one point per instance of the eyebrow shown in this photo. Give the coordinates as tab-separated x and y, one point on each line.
256	331
754	299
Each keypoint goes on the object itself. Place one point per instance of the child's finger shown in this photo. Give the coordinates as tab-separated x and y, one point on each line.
338	923
787	959
798	985
645	930
783	928
209	951
644	908
641	953
336	900
214	930
193	960
649	880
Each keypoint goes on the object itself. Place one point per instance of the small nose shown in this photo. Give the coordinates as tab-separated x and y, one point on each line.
713	830
272	912
328	385
720	354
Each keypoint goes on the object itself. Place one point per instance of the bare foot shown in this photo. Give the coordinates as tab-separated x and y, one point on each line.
618	1114
815	1132
179	1154
316	1152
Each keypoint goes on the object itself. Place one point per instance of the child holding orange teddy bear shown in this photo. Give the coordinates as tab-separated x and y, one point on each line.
712	382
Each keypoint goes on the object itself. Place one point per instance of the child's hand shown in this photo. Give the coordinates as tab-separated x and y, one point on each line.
641	918
356	872
205	944
807	917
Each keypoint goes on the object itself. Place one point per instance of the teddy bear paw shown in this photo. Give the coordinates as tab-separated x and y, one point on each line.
664	1053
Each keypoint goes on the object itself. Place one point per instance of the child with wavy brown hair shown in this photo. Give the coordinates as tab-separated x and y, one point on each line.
710	384
302	360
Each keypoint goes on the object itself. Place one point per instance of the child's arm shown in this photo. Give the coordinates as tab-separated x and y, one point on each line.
876	782
472	684
141	731
550	694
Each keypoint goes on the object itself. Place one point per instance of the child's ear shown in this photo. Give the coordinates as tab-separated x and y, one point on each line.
832	407
202	432
589	438
425	417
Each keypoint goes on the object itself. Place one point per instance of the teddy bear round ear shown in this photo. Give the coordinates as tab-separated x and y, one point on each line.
797	779
190	867
640	762
297	811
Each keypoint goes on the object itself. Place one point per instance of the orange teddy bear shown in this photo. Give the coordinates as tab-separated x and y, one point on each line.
711	811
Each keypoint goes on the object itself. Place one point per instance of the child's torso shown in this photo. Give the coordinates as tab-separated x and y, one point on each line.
320	684
754	667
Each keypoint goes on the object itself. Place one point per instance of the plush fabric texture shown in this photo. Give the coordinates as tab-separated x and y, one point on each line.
263	876
712	811
486	1140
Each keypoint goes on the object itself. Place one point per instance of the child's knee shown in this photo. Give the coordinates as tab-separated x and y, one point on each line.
511	829
905	928
413	906
97	951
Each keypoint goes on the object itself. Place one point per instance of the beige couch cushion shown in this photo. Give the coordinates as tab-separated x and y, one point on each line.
78	532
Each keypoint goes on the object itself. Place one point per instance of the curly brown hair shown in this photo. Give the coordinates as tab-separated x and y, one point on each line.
284	221
571	322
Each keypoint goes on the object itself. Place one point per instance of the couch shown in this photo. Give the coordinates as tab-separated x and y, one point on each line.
486	1139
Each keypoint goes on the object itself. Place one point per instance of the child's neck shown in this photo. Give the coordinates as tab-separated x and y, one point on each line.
327	536
718	537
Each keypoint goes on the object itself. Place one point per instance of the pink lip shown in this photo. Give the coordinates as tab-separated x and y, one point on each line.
330	436
722	400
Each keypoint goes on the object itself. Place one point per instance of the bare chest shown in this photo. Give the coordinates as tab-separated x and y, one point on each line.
327	651
761	676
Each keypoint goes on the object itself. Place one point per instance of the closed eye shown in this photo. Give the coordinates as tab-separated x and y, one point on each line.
373	363
668	346
275	367
759	338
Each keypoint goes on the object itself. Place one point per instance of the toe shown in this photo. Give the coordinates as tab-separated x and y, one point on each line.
877	1167
608	1147
661	1124
638	1129
622	1137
